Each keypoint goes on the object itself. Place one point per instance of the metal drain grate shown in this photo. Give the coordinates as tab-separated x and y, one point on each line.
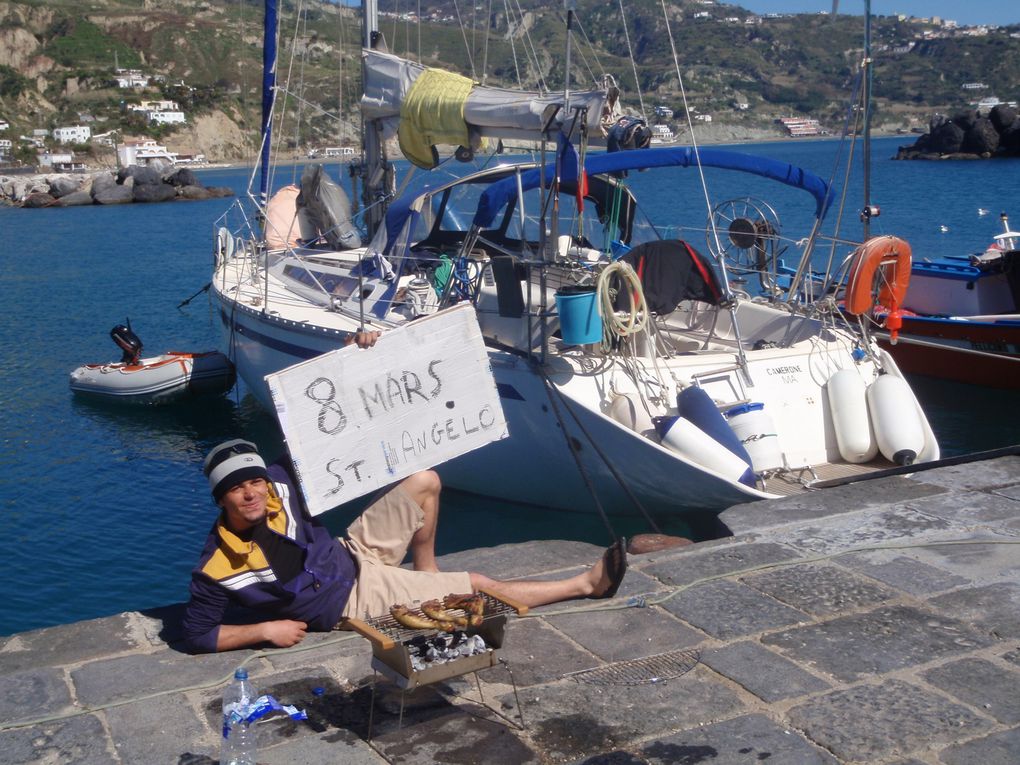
651	669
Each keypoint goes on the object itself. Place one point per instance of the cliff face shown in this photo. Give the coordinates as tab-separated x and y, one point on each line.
17	47
217	136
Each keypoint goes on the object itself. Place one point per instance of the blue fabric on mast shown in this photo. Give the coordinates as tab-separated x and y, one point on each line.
499	193
269	29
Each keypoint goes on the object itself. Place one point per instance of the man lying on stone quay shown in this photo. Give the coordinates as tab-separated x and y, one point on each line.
267	553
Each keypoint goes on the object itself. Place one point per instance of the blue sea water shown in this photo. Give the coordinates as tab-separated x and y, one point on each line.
105	507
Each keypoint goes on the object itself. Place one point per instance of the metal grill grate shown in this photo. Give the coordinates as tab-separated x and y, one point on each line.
650	669
390	627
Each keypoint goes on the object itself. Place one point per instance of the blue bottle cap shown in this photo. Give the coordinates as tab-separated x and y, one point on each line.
240	673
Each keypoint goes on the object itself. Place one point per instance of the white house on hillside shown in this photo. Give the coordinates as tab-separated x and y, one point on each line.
167	118
76	134
61	162
131	79
142	152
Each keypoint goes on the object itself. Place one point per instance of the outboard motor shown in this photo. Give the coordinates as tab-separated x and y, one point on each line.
128	342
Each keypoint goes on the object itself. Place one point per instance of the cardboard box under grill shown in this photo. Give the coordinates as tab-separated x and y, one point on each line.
392	644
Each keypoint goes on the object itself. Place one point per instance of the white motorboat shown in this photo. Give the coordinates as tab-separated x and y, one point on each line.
161	379
678	393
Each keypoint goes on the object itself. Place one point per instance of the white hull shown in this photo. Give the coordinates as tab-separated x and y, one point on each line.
572	443
156	380
533	466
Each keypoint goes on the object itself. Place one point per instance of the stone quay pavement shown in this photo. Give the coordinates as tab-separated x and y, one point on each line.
872	623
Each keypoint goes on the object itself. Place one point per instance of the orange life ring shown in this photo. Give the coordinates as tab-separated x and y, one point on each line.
879	275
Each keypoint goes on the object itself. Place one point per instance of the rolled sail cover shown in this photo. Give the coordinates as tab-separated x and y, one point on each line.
328	209
494	112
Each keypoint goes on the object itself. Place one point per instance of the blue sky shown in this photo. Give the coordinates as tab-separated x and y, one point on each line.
971	12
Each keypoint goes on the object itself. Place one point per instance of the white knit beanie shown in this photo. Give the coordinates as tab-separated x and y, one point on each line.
231	463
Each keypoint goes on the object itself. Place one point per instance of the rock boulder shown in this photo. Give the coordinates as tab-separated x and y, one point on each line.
966	119
141	174
113	195
1002	117
62	185
38	199
947	138
981	138
183	177
193	192
75	199
153	192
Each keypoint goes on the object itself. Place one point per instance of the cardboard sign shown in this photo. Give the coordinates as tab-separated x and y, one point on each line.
358	419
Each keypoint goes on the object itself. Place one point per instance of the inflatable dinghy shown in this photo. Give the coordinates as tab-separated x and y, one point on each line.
156	380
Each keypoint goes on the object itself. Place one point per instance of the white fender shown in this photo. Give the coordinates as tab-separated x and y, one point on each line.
894	415
849	406
757	432
224	245
687	439
627	410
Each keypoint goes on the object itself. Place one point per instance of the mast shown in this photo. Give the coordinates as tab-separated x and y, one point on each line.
375	171
571	6
867	211
269	32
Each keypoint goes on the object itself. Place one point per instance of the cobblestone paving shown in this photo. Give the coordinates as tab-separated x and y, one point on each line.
874	623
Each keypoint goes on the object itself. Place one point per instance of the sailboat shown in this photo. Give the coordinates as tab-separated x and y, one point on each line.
634	377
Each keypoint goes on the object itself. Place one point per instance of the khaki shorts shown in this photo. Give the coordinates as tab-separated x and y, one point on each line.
378	540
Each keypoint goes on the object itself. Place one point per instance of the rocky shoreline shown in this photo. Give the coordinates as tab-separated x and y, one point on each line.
968	135
131	184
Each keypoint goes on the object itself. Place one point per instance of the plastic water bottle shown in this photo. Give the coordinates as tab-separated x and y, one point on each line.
238	746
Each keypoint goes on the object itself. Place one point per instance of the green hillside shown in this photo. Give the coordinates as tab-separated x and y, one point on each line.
57	59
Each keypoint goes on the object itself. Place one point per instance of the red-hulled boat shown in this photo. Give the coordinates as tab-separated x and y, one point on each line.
962	317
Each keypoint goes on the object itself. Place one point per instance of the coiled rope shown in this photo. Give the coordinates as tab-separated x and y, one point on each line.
637	317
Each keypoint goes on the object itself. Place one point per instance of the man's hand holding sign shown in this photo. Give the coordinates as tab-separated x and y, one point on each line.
355	421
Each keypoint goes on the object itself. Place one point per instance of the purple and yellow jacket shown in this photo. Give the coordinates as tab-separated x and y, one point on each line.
232	570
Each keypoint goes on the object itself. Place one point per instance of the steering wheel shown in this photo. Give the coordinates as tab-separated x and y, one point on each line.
748	231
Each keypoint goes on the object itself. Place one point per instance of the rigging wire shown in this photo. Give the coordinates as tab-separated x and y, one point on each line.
690	126
741	355
396	19
341	72
303	22
281	115
530	49
633	63
244	79
513	44
467	47
485	43
580	51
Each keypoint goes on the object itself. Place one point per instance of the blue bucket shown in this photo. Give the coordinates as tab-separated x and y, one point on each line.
580	322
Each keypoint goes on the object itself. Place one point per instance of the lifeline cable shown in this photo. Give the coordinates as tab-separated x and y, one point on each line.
602	455
577	460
